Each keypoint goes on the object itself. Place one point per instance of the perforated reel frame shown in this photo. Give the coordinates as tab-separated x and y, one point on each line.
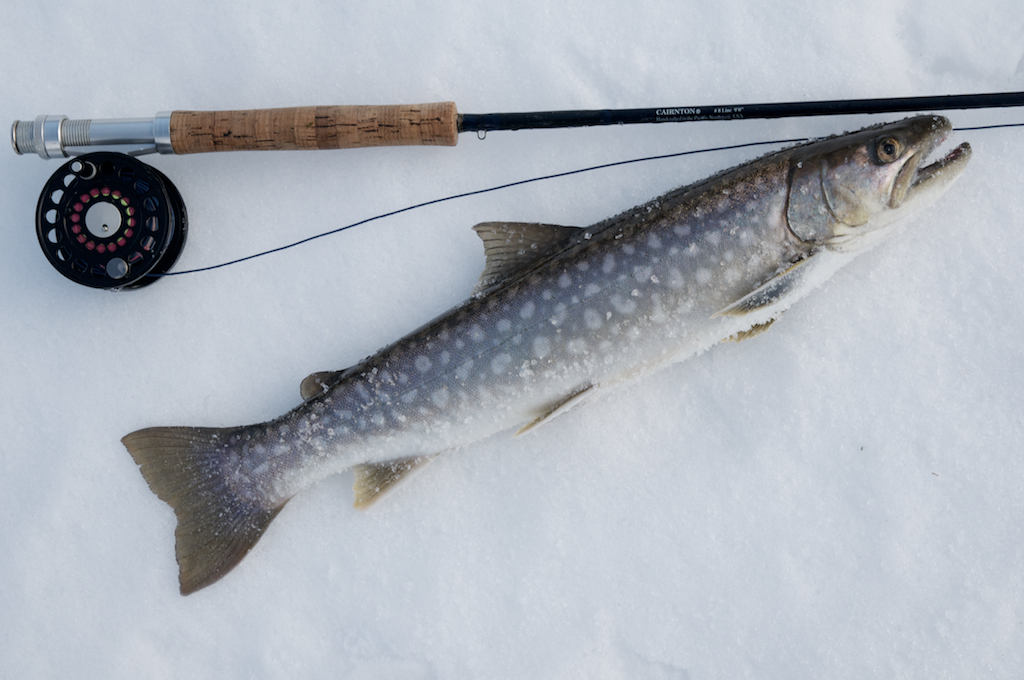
107	220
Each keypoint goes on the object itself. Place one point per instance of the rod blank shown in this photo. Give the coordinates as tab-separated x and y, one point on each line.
683	114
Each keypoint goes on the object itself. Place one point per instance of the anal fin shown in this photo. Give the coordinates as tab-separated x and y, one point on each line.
373	480
751	332
574	399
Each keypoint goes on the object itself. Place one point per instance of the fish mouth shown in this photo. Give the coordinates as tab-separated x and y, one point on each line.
952	161
914	179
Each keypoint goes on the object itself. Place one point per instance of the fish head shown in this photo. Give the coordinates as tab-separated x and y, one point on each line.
844	190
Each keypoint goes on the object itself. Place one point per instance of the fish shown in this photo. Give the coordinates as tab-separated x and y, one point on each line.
559	314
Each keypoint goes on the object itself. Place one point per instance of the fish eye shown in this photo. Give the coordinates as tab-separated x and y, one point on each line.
888	149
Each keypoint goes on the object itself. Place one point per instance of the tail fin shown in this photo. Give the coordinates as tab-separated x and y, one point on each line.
185	467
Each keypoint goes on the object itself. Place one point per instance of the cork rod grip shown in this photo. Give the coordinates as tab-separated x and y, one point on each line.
314	127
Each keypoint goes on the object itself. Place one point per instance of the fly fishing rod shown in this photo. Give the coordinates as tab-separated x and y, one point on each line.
106	220
437	124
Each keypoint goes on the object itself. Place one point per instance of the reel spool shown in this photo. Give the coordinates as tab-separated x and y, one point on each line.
106	220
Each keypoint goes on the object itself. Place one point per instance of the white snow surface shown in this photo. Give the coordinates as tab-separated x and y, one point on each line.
841	497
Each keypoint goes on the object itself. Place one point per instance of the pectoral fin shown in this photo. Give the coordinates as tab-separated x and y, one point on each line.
772	292
575	399
373	480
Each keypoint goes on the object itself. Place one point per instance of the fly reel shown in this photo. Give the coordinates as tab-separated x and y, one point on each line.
106	220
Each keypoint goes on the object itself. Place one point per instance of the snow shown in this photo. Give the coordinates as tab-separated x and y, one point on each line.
839	497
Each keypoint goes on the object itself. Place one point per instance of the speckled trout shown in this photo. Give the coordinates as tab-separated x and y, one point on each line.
559	313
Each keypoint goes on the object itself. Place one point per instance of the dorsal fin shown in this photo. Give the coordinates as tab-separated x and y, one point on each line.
317	383
511	246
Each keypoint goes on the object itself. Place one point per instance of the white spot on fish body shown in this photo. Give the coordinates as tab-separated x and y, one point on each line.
609	264
592	319
541	347
658	314
682	229
622	305
409	396
462	372
559	314
546	295
591	289
642	273
423	364
440	397
500	363
703	275
576	346
583	266
445	357
476	334
733	274
653	242
675	279
628	249
527	310
564	281
504	325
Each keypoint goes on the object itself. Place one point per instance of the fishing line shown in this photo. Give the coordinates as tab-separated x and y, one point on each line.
477	192
988	127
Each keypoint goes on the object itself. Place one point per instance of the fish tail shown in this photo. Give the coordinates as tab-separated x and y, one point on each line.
185	467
